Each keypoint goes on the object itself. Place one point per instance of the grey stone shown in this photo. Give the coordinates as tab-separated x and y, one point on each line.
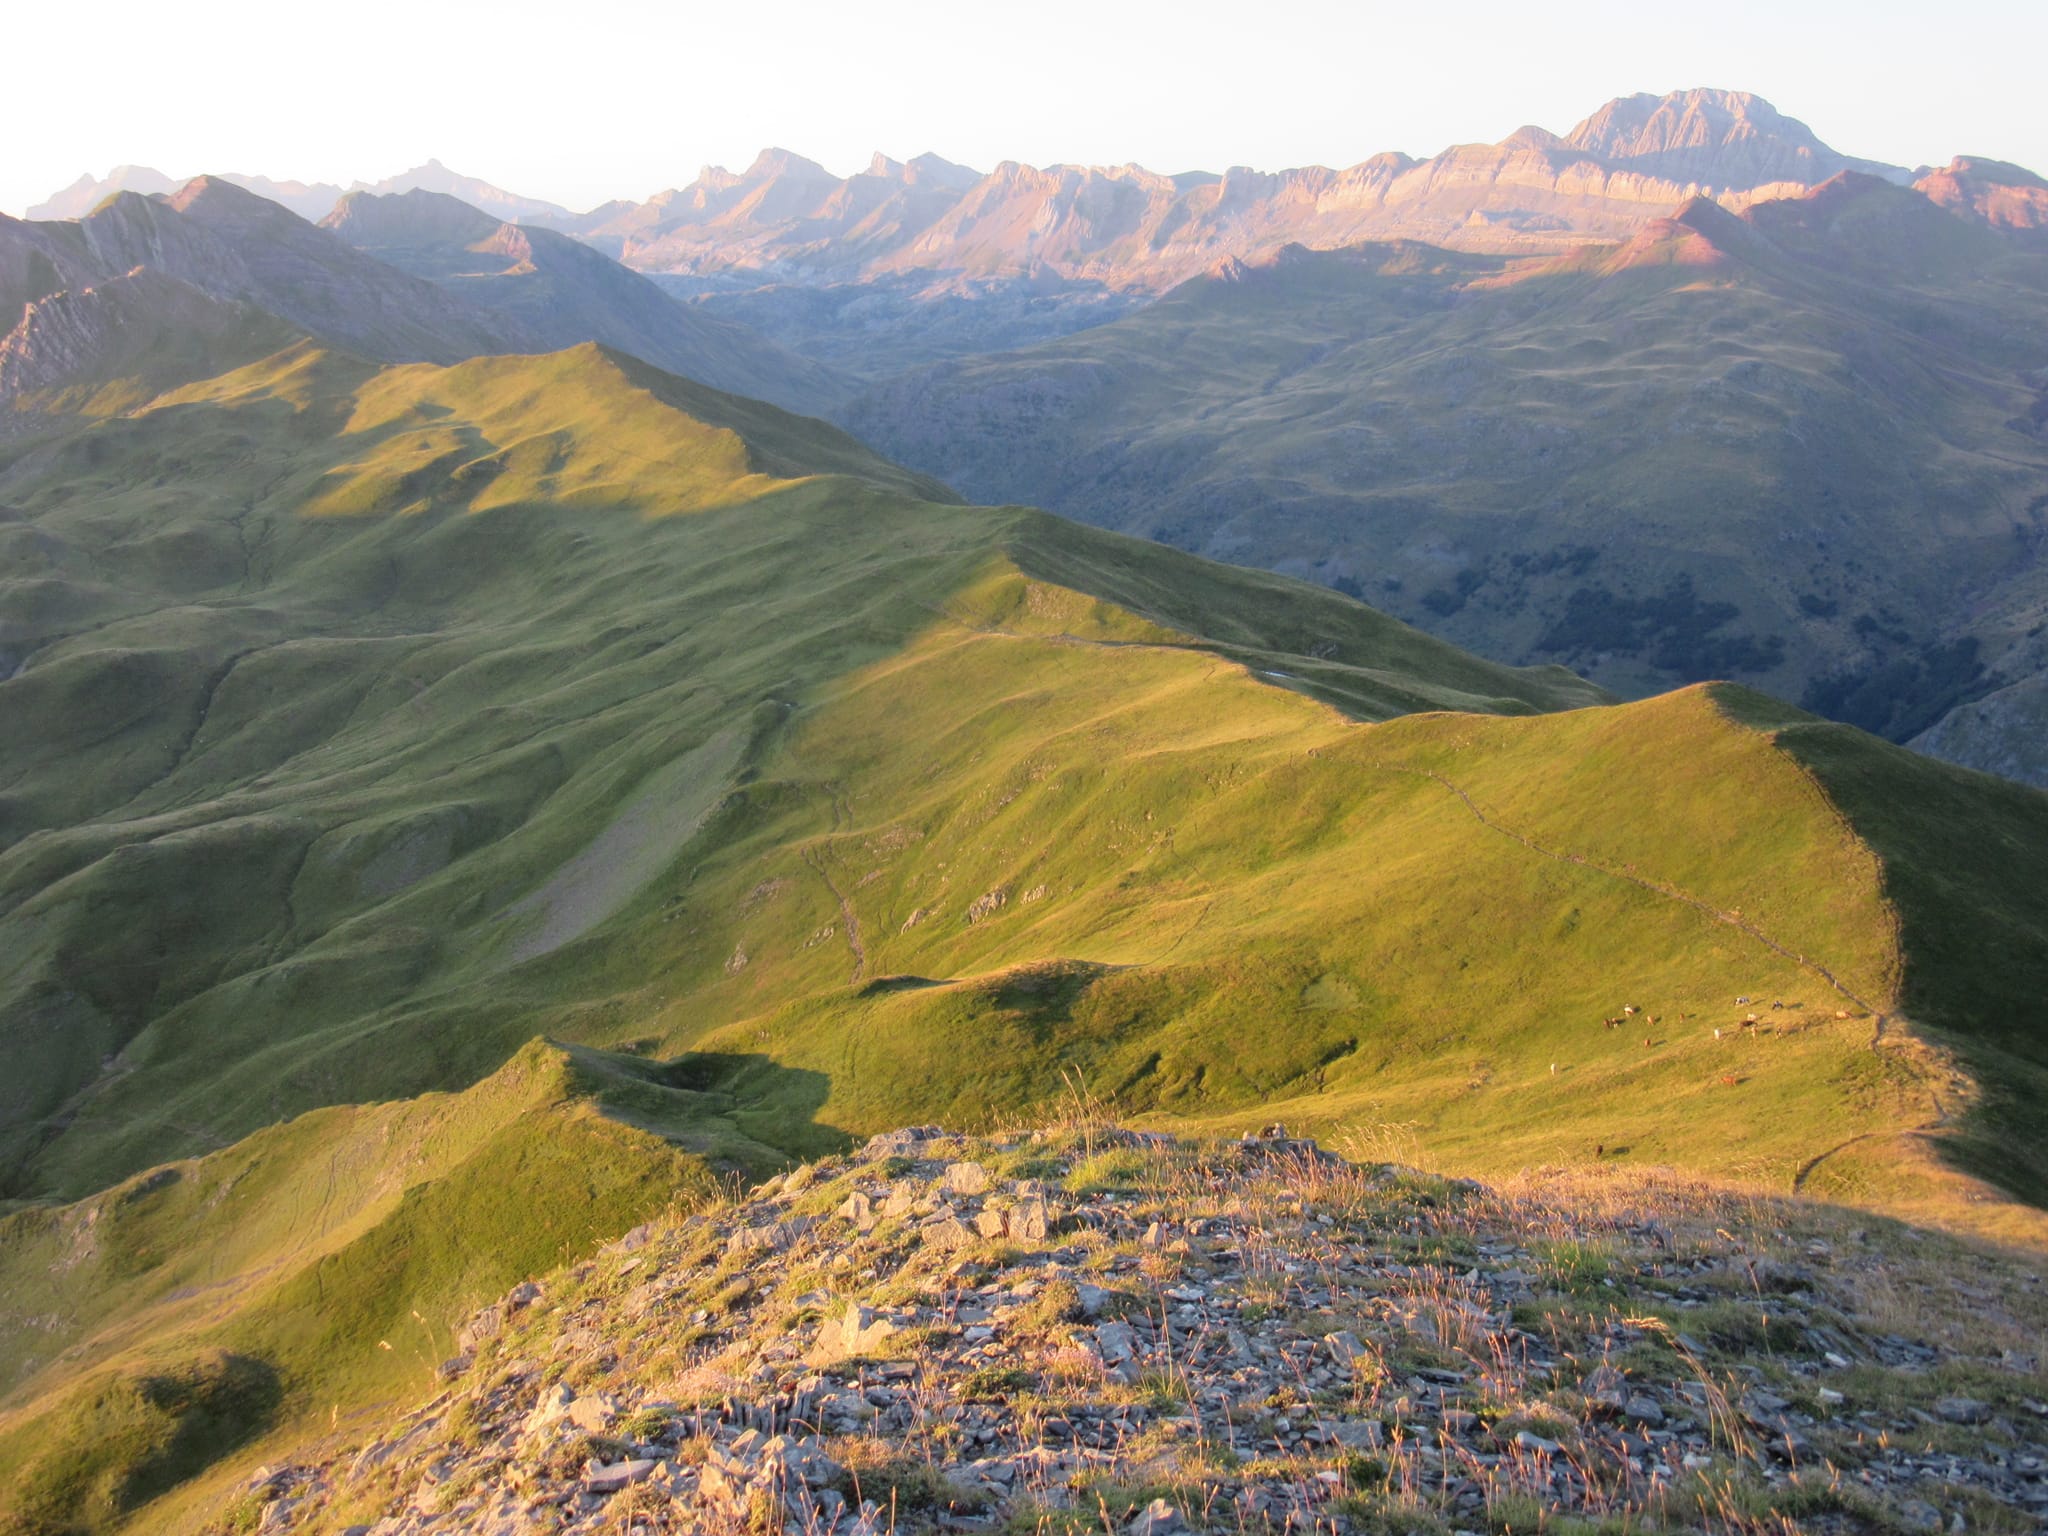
1029	1221
1346	1346
553	1405
864	1330
770	1237
1115	1342
486	1325
594	1414
947	1233
723	1487
1962	1410
620	1474
1359	1434
796	1460
1602	1380
907	1142
967	1178
1158	1518
861	1211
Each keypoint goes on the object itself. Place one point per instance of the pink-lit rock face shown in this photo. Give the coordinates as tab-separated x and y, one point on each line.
2004	196
1534	193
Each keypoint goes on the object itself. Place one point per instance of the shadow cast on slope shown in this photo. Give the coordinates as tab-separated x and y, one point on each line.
1963	854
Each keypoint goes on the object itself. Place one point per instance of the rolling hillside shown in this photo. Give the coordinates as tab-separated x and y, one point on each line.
1800	447
378	720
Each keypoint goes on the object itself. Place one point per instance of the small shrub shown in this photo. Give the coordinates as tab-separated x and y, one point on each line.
993	1383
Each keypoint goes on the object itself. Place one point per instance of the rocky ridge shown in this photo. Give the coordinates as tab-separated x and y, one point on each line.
1094	1329
95	332
788	219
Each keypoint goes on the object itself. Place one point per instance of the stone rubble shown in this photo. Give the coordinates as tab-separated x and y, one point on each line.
1093	1329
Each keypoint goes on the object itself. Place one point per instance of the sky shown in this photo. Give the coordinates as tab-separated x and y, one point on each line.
599	99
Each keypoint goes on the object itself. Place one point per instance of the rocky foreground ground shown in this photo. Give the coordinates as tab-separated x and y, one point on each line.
1092	1330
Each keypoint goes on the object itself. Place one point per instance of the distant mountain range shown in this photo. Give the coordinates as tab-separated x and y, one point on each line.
788	218
1636	158
312	201
562	292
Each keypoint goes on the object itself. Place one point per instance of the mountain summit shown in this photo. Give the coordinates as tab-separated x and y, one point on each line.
1728	140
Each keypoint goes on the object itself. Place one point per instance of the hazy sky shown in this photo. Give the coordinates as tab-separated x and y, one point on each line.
619	98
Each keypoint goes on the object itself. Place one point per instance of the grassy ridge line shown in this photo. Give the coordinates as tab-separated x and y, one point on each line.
1108	1002
396	726
661	975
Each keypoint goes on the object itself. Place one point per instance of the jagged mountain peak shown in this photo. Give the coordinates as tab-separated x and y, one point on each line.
1646	123
1869	221
1699	233
1529	136
1711	137
775	161
2002	173
926	170
142	325
938	170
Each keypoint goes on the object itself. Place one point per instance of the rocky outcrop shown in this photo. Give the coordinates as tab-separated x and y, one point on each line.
2005	732
1125	1332
142	325
1992	192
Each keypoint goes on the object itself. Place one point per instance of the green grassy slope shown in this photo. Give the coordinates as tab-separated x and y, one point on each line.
281	666
1801	448
382	720
529	696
